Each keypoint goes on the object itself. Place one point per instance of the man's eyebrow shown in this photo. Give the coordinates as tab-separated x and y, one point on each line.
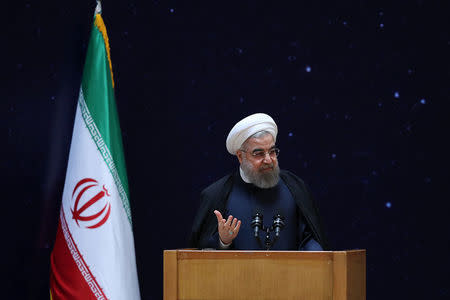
260	149
257	149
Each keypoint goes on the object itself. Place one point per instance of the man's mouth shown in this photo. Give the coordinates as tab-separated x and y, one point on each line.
266	168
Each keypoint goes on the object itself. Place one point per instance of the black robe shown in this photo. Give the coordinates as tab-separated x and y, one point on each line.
216	195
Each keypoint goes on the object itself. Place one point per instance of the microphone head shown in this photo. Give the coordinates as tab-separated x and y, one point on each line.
257	223
257	219
278	223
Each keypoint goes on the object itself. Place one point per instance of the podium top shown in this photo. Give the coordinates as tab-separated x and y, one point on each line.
211	253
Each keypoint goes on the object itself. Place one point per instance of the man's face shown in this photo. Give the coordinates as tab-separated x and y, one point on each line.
254	145
261	170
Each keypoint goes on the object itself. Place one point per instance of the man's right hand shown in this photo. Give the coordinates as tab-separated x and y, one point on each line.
228	229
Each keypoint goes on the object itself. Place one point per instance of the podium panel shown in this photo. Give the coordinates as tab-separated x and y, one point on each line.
324	275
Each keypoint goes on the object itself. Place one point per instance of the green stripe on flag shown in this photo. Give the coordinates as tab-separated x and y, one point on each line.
98	93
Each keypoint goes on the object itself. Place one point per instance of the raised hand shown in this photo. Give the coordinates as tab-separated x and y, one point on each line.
228	228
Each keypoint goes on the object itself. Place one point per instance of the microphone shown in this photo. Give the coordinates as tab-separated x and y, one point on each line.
257	223
278	224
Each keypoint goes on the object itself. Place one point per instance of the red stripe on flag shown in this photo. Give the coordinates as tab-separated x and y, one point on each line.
70	277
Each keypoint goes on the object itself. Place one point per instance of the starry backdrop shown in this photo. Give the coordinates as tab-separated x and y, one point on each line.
358	89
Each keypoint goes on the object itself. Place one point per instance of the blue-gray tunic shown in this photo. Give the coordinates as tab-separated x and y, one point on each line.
302	216
245	199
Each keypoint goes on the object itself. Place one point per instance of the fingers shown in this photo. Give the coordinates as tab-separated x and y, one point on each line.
221	220
229	220
228	228
236	229
218	215
233	225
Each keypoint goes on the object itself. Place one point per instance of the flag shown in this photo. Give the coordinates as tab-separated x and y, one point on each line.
93	256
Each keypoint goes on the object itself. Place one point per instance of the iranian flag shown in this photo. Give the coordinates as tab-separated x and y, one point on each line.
93	256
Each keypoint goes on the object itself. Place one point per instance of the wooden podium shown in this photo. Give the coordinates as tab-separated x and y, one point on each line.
204	274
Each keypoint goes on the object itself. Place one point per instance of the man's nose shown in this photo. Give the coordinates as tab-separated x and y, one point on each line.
267	158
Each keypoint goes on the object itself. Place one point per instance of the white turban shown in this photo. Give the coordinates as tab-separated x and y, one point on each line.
247	127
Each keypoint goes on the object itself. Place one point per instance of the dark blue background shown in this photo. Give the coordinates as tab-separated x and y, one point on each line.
358	89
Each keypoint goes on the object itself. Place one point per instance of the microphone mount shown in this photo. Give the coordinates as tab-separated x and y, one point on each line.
277	225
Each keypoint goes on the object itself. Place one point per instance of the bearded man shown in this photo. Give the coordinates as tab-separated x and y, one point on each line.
270	206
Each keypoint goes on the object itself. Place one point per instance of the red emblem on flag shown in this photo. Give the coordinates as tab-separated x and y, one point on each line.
91	207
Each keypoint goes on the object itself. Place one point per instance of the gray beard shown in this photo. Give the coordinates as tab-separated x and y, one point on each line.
264	180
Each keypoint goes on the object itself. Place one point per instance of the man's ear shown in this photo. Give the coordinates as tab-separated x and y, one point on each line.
239	156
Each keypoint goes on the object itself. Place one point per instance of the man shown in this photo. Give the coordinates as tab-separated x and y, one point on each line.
272	208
